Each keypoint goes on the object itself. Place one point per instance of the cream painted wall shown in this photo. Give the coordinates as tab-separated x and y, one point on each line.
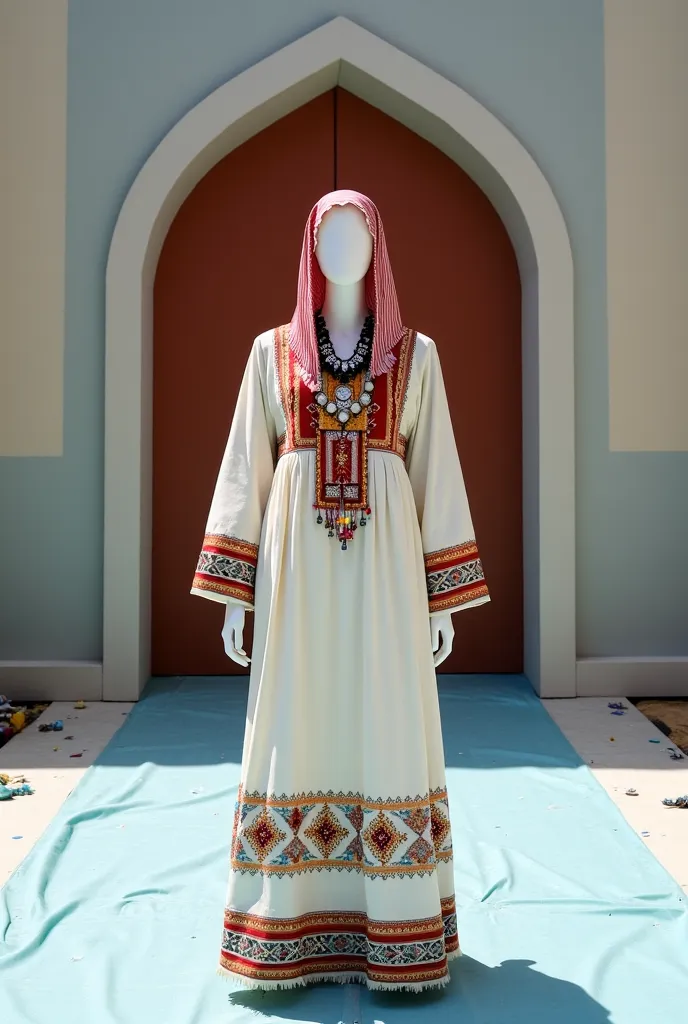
33	116
647	223
646	74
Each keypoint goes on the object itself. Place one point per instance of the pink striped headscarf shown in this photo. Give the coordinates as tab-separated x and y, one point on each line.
380	293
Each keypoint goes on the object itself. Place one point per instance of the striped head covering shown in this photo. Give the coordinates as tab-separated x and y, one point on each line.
380	293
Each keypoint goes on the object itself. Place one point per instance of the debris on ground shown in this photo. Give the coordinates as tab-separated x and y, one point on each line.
670	717
680	801
57	726
631	792
15	716
80	705
14	785
8	792
618	706
674	754
18	720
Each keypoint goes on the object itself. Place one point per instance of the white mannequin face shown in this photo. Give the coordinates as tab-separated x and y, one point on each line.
344	246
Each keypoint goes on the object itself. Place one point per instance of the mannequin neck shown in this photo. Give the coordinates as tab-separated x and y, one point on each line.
344	311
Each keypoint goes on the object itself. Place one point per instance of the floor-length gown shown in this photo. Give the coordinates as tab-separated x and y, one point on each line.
341	853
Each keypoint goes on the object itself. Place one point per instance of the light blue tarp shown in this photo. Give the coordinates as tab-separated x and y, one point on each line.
564	916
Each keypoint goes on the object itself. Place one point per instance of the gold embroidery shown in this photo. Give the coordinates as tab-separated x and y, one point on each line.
346	918
402	837
331	943
289	384
454	576
227	566
457	600
448	555
231	544
395	979
328	422
377	871
226	589
259	799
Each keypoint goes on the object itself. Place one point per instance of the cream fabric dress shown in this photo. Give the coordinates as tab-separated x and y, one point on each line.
341	864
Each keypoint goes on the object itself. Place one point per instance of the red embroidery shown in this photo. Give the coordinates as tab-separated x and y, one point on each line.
227	566
329	942
341	468
454	577
383	418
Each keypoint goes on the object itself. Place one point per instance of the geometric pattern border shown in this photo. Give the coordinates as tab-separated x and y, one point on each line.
391	953
454	577
341	832
227	566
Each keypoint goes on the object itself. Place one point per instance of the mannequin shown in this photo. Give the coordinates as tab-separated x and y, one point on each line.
343	250
340	517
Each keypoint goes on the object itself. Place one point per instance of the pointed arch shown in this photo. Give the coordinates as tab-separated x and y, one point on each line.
342	53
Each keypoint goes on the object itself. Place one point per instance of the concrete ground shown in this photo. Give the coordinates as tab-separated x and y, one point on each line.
52	773
616	748
619	752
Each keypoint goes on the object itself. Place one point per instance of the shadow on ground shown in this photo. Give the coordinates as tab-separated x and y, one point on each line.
512	993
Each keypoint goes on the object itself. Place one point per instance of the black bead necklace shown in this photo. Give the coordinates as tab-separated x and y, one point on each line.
344	369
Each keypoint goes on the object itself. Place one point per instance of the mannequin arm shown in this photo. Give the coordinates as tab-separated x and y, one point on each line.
441	629
442	632
233	633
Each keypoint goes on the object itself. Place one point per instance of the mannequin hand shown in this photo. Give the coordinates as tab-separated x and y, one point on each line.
442	632
233	633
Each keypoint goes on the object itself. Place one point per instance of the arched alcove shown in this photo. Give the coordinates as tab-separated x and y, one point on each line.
435	108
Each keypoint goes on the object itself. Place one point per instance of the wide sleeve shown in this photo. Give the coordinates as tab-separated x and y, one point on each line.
226	569
453	568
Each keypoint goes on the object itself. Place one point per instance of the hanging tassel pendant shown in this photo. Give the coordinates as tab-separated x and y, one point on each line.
344	532
342	524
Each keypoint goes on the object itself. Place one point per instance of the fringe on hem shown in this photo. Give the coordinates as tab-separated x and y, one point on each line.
341	978
419	986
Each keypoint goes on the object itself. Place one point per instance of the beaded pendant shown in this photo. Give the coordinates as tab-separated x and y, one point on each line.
340	409
341	462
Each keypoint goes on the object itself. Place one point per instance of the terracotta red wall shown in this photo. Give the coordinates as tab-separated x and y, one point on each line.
458	281
228	271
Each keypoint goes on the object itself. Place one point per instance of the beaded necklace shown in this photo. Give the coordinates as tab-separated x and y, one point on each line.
344	369
343	427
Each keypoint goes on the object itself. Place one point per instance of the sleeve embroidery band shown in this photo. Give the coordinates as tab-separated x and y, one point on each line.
227	567
454	577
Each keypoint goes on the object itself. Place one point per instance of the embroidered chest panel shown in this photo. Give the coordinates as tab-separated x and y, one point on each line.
342	447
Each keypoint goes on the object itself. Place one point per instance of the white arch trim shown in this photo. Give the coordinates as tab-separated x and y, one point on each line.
341	52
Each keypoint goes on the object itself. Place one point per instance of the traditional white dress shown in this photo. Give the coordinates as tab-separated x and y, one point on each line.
341	854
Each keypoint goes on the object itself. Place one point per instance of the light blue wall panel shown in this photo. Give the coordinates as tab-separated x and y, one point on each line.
135	67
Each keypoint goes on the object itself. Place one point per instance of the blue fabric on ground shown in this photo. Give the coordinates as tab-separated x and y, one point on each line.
564	916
